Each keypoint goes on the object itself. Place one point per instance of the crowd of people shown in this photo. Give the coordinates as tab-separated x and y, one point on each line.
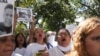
84	41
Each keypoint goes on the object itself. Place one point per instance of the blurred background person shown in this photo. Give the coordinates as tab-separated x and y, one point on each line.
20	42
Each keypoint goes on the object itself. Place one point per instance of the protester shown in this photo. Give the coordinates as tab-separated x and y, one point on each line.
64	43
39	43
86	38
7	43
20	41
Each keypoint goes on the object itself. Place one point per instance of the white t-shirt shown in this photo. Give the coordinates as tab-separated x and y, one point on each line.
33	48
58	50
20	51
16	54
55	52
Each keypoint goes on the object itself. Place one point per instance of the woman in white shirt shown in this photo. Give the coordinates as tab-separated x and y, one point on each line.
20	41
39	43
63	38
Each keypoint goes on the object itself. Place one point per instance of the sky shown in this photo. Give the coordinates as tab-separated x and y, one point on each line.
79	19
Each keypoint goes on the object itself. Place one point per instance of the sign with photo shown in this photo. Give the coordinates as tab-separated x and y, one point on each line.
24	14
6	17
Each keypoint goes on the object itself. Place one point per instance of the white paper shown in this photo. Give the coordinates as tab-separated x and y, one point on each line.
24	14
6	17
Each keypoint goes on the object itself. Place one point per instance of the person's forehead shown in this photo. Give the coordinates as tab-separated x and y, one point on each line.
39	29
7	36
62	30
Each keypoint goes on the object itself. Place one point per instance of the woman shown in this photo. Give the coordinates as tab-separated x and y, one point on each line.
64	43
86	38
20	42
39	43
7	45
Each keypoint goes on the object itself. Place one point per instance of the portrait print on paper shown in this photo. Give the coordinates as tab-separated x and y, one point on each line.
24	14
6	17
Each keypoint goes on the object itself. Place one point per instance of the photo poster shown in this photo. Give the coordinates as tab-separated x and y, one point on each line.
6	17
24	14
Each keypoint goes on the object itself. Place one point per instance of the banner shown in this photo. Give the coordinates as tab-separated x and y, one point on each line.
6	17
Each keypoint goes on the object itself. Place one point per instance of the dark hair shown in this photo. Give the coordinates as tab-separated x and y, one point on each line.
63	29
16	42
10	6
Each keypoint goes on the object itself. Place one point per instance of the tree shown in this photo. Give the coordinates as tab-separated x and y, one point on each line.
22	28
87	8
24	3
54	13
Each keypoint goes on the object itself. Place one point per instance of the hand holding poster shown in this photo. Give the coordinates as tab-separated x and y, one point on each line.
24	14
6	17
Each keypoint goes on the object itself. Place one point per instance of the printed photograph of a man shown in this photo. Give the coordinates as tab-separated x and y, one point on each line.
25	14
22	14
6	25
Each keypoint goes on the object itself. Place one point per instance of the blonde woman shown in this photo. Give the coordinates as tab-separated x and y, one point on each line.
38	45
86	38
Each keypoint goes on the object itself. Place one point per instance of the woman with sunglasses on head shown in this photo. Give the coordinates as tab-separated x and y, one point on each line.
86	38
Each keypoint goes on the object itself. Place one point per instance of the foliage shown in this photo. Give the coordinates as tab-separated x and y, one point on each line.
21	27
87	8
54	13
24	3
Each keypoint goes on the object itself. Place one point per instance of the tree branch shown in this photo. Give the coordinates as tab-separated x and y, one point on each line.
94	12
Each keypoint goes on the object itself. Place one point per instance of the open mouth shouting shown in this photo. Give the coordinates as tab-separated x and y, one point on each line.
63	40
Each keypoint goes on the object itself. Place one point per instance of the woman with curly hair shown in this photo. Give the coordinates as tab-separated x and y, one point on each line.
86	38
